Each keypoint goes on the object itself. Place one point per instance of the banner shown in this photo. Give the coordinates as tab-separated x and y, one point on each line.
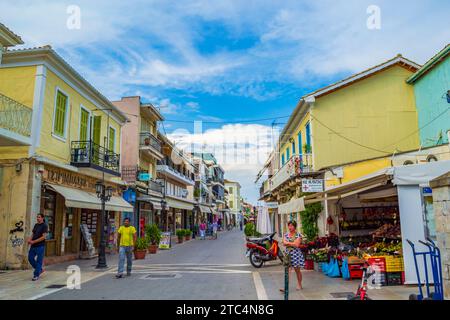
166	241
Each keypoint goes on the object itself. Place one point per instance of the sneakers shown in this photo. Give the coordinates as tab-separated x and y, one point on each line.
118	276
35	279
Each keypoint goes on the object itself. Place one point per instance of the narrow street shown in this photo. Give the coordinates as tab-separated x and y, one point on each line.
209	270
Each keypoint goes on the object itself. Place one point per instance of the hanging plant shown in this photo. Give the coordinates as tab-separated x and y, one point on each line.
309	220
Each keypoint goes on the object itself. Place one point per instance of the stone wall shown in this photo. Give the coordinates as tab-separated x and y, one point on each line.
441	205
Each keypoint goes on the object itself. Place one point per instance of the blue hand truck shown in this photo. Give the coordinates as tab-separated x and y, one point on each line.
434	256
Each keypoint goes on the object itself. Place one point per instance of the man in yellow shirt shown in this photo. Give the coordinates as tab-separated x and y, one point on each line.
126	239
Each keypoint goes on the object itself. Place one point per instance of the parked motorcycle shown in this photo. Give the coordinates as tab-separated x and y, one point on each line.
258	253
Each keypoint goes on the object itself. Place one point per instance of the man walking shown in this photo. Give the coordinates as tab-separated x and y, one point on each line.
37	249
126	240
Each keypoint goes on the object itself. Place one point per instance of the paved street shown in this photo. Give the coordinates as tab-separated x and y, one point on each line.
195	270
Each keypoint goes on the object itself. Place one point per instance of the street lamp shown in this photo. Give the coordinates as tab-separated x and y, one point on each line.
104	194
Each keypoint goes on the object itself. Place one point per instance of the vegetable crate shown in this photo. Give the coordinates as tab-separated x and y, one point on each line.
356	271
394	264
378	263
309	264
395	278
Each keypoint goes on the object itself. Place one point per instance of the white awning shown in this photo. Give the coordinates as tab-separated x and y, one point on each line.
293	206
76	198
179	204
156	203
420	174
205	209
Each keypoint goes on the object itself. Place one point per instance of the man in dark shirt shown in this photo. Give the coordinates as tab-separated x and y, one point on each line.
37	242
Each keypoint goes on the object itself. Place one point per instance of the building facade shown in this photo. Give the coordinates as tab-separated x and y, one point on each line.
59	136
141	150
233	189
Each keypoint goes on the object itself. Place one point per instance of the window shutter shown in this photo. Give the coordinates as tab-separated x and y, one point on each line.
60	114
84	124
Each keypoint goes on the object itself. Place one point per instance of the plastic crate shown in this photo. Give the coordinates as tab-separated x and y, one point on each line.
379	278
394	264
378	263
355	270
395	278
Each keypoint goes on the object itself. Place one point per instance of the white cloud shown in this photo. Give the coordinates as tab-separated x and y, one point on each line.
241	149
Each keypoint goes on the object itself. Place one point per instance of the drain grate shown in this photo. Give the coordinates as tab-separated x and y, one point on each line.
339	295
55	286
157	276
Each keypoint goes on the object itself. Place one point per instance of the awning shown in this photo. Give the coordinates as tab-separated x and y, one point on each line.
179	204
420	174
76	198
293	206
156	203
205	209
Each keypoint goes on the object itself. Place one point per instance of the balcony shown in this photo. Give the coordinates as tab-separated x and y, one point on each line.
296	165
131	174
87	154
150	144
15	123
166	170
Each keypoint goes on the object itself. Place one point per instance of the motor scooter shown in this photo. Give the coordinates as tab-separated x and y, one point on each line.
258	253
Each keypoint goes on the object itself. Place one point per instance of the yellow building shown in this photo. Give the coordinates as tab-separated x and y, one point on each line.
370	115
58	137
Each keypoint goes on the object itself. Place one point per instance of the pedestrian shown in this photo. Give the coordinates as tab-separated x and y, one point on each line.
292	241
126	240
37	246
214	229
240	224
202	230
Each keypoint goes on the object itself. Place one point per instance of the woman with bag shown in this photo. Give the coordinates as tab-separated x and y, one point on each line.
292	241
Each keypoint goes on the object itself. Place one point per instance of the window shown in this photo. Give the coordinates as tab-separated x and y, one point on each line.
308	136
282	160
231	190
231	204
112	139
59	122
300	147
84	124
96	130
293	147
288	155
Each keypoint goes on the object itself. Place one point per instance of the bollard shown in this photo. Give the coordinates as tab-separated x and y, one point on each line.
286	283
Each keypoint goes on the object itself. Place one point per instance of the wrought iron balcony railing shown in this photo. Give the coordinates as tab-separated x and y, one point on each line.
296	165
90	154
15	116
148	139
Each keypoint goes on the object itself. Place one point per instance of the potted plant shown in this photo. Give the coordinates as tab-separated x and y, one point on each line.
307	148
180	235
147	141
187	234
153	235
141	248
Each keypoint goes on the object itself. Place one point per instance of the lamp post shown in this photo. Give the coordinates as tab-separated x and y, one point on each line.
104	194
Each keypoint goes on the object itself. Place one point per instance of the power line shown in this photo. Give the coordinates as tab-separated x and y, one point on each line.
233	121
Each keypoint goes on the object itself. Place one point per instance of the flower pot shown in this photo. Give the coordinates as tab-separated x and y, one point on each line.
180	239
140	254
187	238
153	248
147	141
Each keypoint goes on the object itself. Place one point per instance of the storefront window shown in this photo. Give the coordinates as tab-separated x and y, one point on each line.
430	225
178	220
68	229
49	212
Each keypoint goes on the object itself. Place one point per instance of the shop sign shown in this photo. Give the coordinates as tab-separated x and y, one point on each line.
166	240
312	185
427	191
144	176
272	205
129	195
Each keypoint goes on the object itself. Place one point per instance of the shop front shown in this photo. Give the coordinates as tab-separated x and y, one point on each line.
179	213
68	201
374	216
148	211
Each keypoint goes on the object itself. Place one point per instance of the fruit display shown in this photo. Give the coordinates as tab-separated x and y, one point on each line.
388	231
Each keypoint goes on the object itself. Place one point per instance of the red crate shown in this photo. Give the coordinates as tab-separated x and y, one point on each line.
378	263
309	265
356	271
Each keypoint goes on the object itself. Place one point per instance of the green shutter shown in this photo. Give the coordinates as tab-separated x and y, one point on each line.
84	125
96	131
60	114
112	139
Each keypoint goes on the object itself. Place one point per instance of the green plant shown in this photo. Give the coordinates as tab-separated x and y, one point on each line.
153	234
197	193
141	244
309	220
250	230
187	232
180	233
307	148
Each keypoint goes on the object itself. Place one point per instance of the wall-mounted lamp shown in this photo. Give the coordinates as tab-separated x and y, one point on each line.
18	167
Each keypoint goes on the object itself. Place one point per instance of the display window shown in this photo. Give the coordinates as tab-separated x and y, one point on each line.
49	212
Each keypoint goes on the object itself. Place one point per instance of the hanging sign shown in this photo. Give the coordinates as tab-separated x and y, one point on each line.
272	205
144	176
166	240
312	185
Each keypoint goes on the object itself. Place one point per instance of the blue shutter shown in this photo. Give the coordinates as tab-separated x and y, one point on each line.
300	143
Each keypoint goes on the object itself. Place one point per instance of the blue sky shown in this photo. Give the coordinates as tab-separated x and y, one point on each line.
226	61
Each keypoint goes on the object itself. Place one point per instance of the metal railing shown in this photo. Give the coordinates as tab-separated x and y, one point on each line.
130	174
169	165
296	165
148	139
155	186
88	153
14	116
